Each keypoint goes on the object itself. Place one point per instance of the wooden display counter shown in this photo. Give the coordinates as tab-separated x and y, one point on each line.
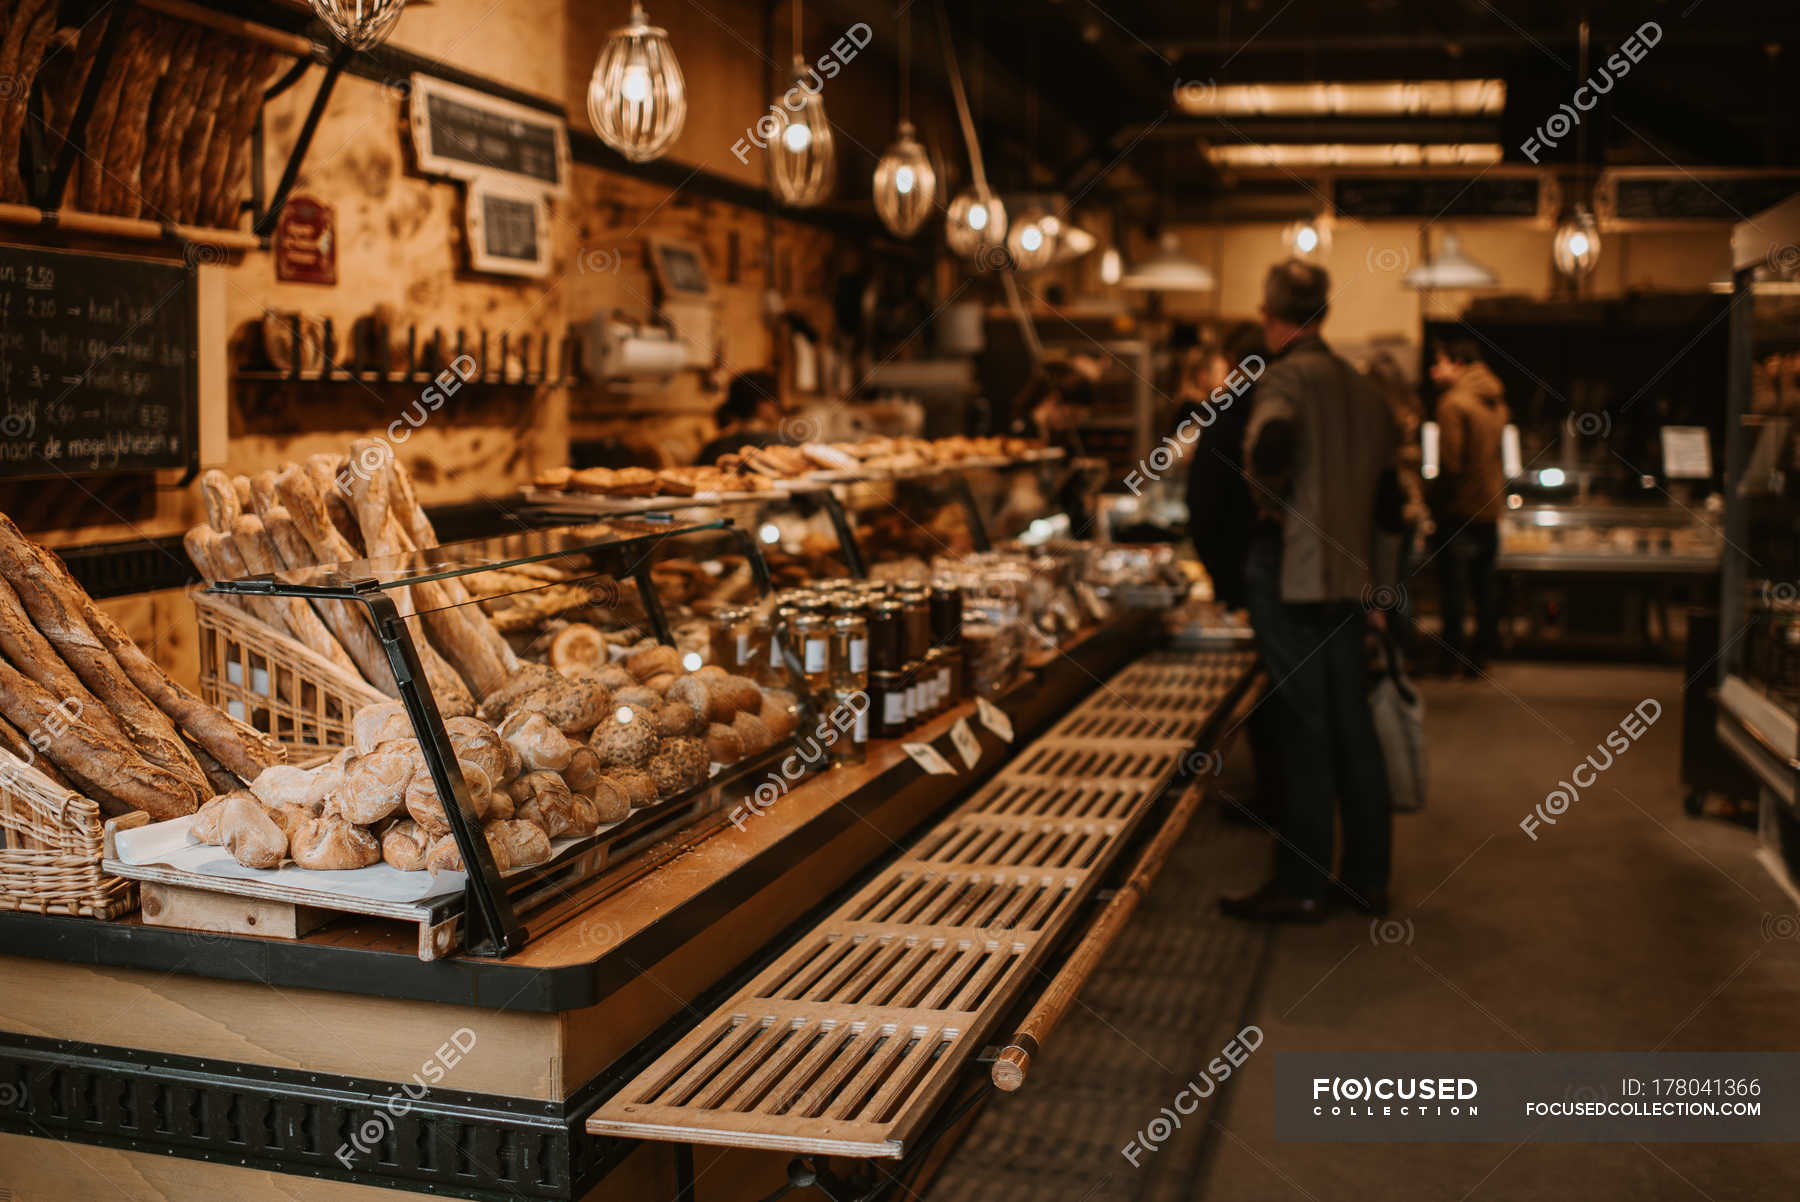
158	1063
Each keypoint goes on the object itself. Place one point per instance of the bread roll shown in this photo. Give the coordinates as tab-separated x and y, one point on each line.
525	842
752	734
742	694
673	718
405	845
612	676
583	768
653	661
539	744
205	827
577	647
285	784
445	856
375	785
527	679
290	818
378	724
543	797
637	785
629	742
776	716
722	745
428	811
611	803
326	844
584	817
247	831
639	697
498	762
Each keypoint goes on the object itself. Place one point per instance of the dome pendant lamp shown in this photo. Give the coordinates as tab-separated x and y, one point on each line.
360	24
905	183
637	98
803	156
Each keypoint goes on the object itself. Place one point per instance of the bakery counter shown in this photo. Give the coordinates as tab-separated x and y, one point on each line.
231	1066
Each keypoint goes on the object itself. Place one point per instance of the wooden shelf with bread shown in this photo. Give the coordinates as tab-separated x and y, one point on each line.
475	732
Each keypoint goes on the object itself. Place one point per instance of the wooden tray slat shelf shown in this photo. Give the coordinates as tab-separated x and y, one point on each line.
848	1041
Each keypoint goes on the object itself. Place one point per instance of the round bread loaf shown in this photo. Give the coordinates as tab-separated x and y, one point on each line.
752	734
332	844
722	744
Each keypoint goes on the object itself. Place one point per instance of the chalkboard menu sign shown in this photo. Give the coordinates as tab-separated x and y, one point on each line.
98	364
508	229
467	134
1689	196
1429	197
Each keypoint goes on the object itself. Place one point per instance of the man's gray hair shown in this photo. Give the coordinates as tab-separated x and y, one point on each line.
1297	292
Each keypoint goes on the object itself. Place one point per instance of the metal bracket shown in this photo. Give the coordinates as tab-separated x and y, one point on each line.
264	220
490	927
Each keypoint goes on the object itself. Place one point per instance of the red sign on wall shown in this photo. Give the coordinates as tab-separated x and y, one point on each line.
306	242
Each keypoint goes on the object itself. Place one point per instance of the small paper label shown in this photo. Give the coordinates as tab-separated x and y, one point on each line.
817	651
994	718
967	745
893	708
860	732
859	655
929	758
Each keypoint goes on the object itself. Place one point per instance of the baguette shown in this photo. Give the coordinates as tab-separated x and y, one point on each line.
346	621
12	740
249	105
99	133
310	516
165	121
102	767
61	101
122	192
263	498
220	499
258	552
55	609
22	52
25	646
185	171
327	474
217	558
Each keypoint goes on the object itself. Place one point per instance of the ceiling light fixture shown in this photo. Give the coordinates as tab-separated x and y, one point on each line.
905	185
637	98
1169	271
803	158
1308	238
1576	248
1450	268
360	24
976	221
1362	98
1355	154
1112	266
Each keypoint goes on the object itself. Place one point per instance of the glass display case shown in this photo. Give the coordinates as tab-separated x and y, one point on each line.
1609	538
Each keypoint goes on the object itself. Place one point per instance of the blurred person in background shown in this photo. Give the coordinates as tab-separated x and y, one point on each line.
1222	516
1467	499
1396	550
1319	443
750	415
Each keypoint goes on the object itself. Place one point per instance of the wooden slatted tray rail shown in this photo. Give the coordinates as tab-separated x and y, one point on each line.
848	1041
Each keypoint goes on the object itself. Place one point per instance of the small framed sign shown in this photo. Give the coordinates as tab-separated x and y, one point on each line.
680	269
508	228
466	134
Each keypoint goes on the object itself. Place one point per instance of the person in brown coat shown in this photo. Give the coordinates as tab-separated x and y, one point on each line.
1467	498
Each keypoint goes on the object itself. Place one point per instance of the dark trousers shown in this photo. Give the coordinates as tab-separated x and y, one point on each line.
1334	770
1465	562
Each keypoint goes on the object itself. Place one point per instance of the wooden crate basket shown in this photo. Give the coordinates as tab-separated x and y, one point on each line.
261	676
53	842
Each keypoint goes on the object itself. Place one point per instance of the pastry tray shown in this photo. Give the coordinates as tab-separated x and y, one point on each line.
165	854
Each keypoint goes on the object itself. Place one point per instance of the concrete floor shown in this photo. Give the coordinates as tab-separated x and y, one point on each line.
1625	927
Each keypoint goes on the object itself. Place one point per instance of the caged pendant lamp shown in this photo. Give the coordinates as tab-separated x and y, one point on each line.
803	156
360	24
637	98
976	222
905	183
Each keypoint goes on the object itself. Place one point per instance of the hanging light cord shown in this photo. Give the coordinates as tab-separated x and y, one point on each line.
799	18
961	97
905	67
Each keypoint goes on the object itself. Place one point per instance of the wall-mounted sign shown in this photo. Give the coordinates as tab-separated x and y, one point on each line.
306	242
680	268
99	368
1635	196
1429	197
466	134
507	228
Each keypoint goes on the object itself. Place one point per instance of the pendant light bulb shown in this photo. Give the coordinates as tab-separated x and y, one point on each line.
905	184
360	24
976	222
637	98
1576	247
803	160
1112	266
1031	244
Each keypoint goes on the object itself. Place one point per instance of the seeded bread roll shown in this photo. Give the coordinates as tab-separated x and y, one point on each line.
625	744
638	697
405	845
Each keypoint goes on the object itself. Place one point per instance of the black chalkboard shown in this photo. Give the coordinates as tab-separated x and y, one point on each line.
510	225
1690	198
492	140
98	359
1432	197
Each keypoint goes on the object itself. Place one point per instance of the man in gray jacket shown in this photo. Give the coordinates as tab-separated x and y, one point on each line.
1320	437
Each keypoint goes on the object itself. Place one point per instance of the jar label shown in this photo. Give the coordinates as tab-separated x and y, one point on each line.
859	655
817	653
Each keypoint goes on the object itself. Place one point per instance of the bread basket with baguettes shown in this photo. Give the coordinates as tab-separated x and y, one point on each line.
52	845
272	681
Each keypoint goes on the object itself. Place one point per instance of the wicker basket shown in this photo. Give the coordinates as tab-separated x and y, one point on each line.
50	863
261	676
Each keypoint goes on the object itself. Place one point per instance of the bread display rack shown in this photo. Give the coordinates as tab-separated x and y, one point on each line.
487	912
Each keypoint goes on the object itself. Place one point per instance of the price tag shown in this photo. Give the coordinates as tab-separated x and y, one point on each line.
929	758
994	718
967	745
